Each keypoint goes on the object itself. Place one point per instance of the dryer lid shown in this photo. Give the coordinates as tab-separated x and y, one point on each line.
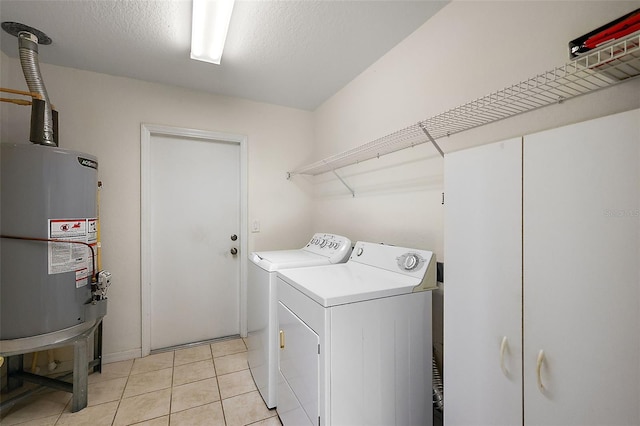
373	271
351	282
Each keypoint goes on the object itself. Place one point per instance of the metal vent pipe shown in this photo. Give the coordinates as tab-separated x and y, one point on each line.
42	130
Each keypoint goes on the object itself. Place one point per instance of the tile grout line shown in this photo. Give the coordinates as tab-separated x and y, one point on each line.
173	370
213	360
121	395
66	405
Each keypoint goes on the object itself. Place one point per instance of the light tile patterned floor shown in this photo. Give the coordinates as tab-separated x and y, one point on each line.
201	385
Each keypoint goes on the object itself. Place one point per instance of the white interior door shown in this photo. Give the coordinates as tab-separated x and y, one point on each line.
193	210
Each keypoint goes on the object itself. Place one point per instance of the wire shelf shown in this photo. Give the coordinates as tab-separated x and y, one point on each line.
613	63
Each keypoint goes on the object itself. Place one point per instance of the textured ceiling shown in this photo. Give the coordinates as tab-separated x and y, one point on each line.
291	53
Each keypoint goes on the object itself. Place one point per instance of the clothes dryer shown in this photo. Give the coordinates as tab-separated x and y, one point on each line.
262	341
355	339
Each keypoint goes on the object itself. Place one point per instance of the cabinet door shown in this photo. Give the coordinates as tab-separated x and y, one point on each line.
483	285
299	370
581	273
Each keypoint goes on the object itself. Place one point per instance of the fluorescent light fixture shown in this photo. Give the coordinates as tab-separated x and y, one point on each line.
209	26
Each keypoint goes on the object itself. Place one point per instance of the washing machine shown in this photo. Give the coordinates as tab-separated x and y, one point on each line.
355	339
262	341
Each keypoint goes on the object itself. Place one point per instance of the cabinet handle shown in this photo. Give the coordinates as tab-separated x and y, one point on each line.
281	339
538	370
504	348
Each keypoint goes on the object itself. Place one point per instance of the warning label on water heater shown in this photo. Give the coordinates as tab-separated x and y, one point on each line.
71	253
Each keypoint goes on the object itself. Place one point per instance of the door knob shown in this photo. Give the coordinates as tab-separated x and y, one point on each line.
234	237
234	251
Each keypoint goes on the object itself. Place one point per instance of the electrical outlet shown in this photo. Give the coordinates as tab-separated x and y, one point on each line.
255	226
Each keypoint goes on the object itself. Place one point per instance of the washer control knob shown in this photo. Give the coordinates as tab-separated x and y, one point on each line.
359	252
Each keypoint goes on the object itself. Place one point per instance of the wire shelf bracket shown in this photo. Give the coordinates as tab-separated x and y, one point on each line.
615	62
433	141
353	194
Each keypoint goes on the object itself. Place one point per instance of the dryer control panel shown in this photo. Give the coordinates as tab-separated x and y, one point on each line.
407	261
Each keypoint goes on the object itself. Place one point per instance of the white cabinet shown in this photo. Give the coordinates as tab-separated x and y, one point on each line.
483	285
582	275
542	247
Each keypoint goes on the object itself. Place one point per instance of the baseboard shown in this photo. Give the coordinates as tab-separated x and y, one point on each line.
121	356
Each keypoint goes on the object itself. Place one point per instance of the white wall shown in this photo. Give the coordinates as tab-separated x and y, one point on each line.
467	50
101	115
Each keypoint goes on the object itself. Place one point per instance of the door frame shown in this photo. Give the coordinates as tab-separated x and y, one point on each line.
146	132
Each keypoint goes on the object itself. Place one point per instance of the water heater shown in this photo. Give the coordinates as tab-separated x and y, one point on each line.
48	193
49	229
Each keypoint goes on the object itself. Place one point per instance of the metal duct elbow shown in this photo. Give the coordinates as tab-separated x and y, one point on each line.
43	121
438	385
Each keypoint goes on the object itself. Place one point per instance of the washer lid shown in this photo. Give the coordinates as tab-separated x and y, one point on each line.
350	282
322	249
284	259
